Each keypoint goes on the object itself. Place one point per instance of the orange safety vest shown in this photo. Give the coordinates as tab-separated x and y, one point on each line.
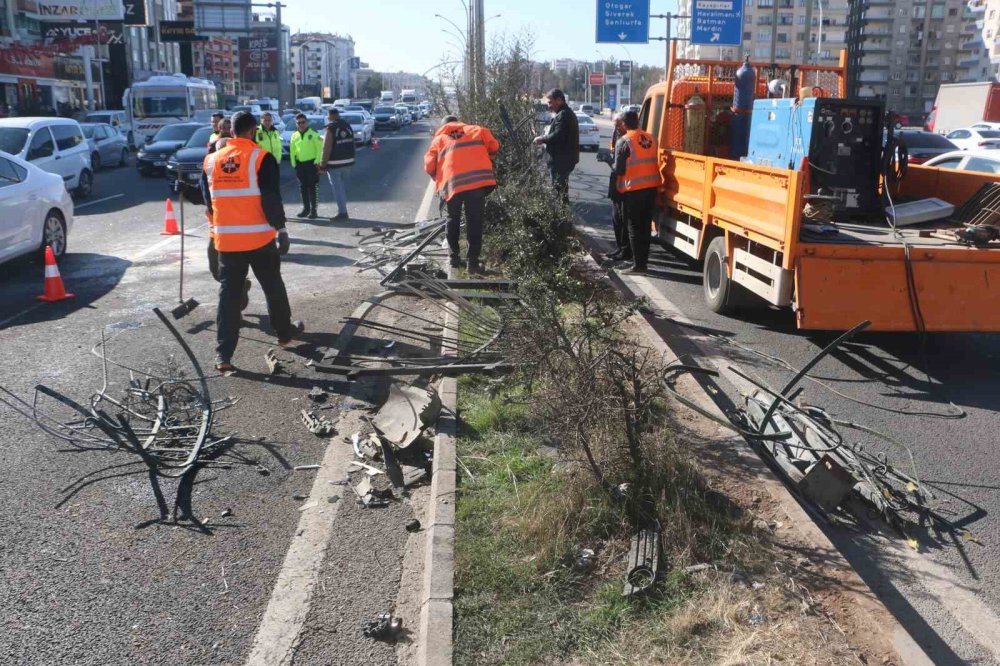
459	159
641	168
238	220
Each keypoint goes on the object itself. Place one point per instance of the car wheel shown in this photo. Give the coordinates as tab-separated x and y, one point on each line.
54	234
86	184
95	161
123	158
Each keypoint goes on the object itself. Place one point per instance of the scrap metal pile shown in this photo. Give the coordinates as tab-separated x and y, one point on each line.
161	416
390	251
805	445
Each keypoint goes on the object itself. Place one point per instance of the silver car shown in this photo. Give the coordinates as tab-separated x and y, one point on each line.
107	145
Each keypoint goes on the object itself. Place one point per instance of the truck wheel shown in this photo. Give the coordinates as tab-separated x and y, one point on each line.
715	278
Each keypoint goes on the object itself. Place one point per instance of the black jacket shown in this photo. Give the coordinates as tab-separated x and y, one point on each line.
563	140
338	145
269	181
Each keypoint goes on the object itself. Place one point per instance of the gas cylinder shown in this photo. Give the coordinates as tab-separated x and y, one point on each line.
694	124
743	96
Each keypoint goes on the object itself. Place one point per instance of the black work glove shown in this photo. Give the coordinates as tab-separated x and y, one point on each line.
283	242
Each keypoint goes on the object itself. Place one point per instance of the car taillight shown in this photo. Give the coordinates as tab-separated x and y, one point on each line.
984	143
917	160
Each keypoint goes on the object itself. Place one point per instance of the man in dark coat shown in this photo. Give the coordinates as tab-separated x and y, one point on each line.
562	142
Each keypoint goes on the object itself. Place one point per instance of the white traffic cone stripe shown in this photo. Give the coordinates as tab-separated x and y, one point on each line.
51	271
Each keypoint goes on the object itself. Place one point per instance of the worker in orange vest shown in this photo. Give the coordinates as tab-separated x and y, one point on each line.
460	160
638	175
242	191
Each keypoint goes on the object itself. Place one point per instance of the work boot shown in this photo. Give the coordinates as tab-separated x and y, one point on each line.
297	328
341	216
474	268
456	261
303	212
312	214
245	299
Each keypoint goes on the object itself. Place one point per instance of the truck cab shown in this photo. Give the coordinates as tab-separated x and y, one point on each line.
766	234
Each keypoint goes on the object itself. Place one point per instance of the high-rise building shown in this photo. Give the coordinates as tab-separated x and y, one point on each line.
321	64
986	14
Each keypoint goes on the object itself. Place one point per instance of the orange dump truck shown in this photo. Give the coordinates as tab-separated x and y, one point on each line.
744	222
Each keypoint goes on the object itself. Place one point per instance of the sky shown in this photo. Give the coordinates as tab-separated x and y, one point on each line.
404	35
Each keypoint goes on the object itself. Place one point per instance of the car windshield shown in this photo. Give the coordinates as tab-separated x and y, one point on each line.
288	119
354	107
926	140
200	138
160	106
989	134
352	119
385	109
12	139
88	131
175	133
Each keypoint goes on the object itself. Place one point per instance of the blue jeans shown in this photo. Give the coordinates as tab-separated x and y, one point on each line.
336	178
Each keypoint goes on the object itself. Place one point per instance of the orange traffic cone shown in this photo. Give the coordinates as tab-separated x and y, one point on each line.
374	143
54	290
169	221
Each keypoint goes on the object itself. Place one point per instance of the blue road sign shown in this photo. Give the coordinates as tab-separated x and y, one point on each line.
717	22
355	63
613	97
622	21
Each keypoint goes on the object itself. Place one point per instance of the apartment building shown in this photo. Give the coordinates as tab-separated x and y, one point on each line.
321	64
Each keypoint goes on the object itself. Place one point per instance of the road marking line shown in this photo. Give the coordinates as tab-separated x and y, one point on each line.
97	201
425	203
291	598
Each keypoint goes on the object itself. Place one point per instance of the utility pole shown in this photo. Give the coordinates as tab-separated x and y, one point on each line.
282	68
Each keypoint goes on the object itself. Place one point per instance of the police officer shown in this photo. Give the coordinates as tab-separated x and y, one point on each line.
638	176
460	160
242	190
338	156
268	137
305	150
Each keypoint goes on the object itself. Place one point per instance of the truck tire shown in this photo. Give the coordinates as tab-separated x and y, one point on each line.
715	278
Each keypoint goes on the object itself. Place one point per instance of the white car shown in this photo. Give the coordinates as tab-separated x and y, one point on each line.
969	138
56	145
35	209
985	125
589	109
962	160
590	133
404	113
358	123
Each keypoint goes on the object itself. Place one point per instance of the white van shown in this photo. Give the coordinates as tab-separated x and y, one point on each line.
56	145
387	96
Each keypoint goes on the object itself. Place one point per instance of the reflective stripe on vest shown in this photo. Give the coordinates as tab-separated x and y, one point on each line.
461	159
238	215
461	144
468	181
642	169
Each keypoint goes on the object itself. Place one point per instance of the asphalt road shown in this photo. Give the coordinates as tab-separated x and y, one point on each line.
948	593
87	574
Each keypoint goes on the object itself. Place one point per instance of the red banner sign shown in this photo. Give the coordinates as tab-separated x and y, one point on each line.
597	79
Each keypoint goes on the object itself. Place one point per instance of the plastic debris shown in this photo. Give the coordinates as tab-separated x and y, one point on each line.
407	411
319	426
305	468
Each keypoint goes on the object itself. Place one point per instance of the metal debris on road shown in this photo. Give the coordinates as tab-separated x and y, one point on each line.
319	426
317	394
643	562
405	414
384	627
274	364
412	525
306	468
371	497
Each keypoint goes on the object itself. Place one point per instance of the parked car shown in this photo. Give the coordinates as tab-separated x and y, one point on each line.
923	146
354	107
425	108
107	145
185	164
316	121
362	132
55	145
254	109
387	116
632	107
116	119
404	114
35	209
968	138
169	139
590	133
985	125
963	160
415	112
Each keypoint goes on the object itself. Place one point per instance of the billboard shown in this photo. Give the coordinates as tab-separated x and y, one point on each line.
71	10
135	12
597	79
259	58
111	32
178	31
222	18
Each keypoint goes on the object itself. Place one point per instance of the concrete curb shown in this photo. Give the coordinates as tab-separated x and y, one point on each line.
436	609
906	649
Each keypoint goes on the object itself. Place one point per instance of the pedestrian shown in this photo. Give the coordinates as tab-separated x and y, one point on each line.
638	175
460	160
242	190
623	250
268	137
222	135
338	156
562	142
216	124
305	151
